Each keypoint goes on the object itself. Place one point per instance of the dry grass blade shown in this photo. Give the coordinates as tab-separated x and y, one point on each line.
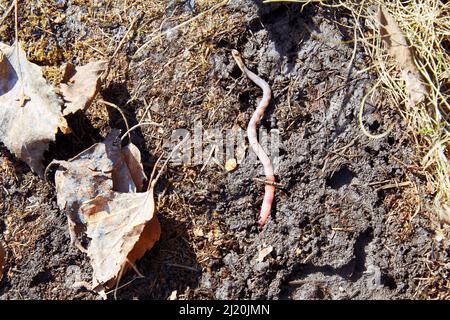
8	11
360	117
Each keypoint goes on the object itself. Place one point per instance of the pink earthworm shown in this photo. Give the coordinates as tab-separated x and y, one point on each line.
269	193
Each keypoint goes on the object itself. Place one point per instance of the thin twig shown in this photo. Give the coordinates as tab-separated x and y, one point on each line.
112	105
122	286
135	268
122	269
140	125
183	267
124	38
360	117
8	11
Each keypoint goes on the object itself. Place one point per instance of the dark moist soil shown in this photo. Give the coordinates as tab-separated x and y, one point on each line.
335	232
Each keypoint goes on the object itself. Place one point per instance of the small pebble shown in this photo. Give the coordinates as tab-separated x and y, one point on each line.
231	164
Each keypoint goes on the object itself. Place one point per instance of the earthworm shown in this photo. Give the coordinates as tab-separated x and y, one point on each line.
269	192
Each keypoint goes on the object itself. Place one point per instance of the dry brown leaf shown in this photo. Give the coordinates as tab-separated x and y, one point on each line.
398	48
2	260
128	175
30	111
101	168
84	177
97	190
122	228
81	84
132	157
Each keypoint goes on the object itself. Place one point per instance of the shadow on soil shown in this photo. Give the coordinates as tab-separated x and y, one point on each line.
171	265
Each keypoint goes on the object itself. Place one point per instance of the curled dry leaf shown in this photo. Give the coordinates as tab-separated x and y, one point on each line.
84	177
128	175
398	48
132	157
97	190
30	112
2	260
103	167
122	228
81	84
